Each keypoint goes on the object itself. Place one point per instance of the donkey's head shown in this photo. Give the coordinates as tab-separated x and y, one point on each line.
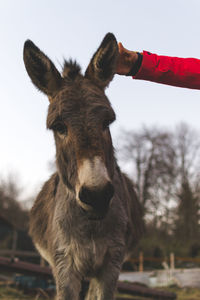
79	115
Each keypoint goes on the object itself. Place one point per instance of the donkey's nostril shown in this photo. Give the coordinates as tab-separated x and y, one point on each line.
84	195
99	198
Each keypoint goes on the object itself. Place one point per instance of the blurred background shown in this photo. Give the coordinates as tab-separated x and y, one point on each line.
157	131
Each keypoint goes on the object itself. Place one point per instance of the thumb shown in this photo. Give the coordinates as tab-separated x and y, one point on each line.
121	48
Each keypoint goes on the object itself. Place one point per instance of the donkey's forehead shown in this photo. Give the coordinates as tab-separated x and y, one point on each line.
82	93
77	98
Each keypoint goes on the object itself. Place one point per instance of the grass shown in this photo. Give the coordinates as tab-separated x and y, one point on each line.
185	293
182	294
9	293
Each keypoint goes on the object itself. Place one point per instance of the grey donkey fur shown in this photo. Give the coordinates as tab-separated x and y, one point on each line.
87	216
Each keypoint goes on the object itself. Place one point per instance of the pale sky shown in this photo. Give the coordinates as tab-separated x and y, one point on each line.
75	29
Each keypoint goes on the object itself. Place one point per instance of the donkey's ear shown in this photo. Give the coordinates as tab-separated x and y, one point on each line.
103	63
41	70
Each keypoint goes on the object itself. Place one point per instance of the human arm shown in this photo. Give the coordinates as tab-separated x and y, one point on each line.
175	71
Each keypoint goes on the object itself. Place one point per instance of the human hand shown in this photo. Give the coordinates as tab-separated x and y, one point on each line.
126	60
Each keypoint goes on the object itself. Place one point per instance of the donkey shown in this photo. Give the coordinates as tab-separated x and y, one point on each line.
86	217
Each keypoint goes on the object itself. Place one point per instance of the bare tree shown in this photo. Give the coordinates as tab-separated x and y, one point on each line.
187	143
153	158
187	222
166	171
10	206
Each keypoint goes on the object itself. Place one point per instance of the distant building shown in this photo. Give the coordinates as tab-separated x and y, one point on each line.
12	237
6	232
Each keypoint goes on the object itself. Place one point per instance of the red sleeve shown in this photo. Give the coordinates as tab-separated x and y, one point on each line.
182	72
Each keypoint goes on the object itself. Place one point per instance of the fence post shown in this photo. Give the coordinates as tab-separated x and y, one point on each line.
14	243
141	262
172	261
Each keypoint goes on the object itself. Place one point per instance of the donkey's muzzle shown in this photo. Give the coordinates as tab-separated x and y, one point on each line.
98	199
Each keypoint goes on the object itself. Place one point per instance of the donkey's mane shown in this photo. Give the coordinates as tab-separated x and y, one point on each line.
70	69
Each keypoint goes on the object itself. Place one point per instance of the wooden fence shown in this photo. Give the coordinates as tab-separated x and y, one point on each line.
21	254
170	261
167	262
45	272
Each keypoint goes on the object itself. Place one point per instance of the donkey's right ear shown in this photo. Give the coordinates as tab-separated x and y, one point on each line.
41	70
102	66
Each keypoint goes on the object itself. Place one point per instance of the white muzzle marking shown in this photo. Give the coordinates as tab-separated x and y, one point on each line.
92	174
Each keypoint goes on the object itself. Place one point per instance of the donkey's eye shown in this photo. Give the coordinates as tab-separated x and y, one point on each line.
60	128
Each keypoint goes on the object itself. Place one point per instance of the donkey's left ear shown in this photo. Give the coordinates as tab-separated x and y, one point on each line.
102	66
41	70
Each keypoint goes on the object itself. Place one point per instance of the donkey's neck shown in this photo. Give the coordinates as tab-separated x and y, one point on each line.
72	218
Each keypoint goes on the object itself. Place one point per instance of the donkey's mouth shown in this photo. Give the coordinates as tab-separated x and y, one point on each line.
94	215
